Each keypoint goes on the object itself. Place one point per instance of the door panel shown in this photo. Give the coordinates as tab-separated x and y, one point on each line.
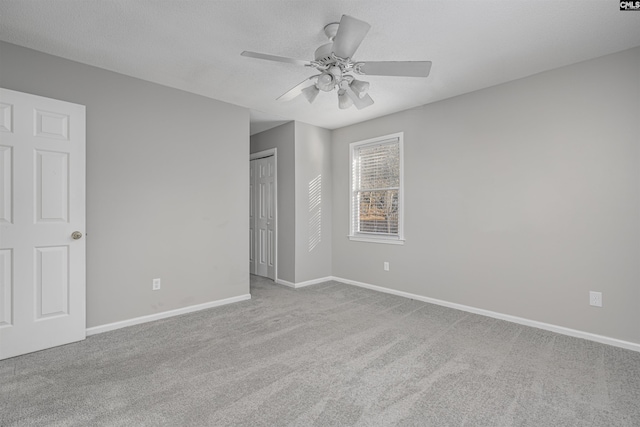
52	281
6	287
52	186
270	220
52	125
262	222
270	248
42	276
6	187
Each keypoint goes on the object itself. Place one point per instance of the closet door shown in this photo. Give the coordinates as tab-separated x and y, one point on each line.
265	216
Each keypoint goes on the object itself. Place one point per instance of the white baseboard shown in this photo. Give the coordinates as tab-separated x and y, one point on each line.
165	314
285	283
313	282
303	284
519	320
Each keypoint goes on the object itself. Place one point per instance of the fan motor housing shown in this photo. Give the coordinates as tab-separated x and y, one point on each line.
323	53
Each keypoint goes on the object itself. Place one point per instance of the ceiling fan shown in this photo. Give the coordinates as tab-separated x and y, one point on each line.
336	66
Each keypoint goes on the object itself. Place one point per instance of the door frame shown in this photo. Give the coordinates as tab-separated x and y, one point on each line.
260	155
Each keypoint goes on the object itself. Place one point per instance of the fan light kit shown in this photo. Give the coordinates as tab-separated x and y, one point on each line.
333	61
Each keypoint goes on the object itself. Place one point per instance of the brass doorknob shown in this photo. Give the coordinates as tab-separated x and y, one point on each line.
76	235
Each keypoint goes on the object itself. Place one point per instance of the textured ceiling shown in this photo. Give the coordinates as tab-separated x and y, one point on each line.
195	45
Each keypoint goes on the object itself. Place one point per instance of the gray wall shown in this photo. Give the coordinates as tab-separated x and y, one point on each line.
282	138
313	202
520	199
167	186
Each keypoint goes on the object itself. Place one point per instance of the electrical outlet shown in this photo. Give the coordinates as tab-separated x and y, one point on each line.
595	298
386	266
156	285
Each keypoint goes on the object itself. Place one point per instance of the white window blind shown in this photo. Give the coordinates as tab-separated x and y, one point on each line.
376	208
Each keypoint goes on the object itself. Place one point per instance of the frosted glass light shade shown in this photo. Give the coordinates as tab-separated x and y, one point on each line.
344	101
310	93
360	87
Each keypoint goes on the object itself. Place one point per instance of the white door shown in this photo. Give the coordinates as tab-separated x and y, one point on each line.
42	222
263	217
265	220
253	265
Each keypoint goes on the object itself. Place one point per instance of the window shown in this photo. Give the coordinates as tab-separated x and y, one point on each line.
376	190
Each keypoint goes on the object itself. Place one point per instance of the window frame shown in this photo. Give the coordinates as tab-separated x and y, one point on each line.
373	237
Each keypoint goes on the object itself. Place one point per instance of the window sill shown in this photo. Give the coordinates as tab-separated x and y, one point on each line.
377	239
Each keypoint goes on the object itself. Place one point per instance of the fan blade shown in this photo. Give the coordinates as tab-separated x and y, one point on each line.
360	103
394	68
351	32
274	58
296	90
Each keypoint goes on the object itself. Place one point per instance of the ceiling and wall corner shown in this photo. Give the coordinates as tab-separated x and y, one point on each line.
195	46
